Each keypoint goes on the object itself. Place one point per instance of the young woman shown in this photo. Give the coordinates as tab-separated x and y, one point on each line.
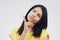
33	26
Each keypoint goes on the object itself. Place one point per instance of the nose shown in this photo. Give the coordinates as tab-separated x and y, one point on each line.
34	15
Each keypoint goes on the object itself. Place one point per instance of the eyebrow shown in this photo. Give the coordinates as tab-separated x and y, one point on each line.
34	10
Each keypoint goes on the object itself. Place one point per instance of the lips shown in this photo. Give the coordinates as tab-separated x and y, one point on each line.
32	18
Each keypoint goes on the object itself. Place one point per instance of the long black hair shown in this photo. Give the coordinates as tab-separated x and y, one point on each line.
42	24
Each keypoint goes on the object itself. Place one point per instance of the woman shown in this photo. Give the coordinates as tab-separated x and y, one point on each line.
33	26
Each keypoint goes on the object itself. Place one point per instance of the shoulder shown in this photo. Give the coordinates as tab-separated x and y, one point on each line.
13	34
14	30
45	34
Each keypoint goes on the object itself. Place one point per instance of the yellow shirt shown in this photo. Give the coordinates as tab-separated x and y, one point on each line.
15	36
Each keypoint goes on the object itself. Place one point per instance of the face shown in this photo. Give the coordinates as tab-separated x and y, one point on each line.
35	15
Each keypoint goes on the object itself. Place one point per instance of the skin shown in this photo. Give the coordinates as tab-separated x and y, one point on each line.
33	17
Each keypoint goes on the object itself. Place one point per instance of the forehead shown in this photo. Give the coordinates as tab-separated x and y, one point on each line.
38	9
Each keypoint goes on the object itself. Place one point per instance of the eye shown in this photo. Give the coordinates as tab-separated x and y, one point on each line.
38	15
34	10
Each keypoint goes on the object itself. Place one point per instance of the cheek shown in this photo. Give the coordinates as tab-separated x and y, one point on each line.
37	19
28	17
30	13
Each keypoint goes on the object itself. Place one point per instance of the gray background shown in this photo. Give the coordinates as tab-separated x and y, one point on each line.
11	12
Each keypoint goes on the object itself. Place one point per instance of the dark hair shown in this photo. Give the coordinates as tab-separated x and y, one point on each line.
37	29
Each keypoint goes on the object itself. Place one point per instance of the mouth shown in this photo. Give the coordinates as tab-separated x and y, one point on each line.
32	18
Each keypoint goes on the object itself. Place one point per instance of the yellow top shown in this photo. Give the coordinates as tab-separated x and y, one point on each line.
15	36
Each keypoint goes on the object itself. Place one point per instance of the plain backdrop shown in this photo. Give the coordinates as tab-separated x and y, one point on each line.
12	11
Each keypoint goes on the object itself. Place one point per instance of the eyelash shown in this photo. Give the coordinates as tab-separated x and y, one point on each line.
38	15
34	10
